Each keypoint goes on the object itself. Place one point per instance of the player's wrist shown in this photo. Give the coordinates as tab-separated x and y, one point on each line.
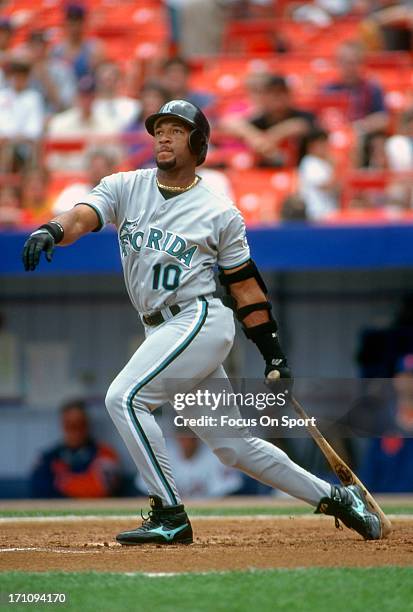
265	337
55	230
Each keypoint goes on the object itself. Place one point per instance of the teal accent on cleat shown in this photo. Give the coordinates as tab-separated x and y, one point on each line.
349	505
169	534
163	525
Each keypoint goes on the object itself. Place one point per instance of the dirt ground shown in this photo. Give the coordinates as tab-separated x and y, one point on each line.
220	544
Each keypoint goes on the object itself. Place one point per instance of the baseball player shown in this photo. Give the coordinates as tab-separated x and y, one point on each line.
173	229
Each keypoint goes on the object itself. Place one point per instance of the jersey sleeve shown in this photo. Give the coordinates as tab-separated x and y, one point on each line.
233	249
105	199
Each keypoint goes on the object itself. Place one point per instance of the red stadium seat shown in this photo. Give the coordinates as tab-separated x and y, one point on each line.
249	37
259	193
371	183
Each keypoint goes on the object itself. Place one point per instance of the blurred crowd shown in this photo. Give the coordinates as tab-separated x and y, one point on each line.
72	107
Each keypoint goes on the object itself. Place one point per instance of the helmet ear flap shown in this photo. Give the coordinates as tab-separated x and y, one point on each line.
198	145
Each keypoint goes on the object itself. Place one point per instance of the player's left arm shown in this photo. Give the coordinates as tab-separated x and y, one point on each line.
253	309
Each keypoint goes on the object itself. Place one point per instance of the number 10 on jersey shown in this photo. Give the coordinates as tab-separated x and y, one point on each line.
167	276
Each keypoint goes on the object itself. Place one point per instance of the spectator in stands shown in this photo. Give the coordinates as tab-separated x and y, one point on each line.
52	77
198	26
251	9
10	207
78	466
36	208
374	152
398	197
99	163
197	470
175	79
21	117
318	183
398	151
389	26
277	124
218	180
81	122
82	53
321	12
110	105
293	209
367	110
399	148
139	144
388	462
6	34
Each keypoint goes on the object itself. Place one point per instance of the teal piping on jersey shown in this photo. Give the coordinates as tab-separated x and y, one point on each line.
97	211
141	433
235	265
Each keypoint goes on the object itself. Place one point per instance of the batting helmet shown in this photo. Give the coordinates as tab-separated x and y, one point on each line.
192	116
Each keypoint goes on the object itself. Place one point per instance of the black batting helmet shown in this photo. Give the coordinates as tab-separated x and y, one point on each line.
192	116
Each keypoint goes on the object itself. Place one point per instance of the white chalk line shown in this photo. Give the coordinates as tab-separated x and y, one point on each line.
43	549
126	517
202	517
249	570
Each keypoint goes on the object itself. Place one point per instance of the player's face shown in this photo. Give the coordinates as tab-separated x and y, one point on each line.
171	144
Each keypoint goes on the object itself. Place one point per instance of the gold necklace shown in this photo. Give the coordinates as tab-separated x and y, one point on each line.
178	189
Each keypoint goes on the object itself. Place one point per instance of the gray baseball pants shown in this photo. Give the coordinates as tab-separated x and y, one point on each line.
191	347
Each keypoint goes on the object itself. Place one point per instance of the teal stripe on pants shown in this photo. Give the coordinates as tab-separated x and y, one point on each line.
146	380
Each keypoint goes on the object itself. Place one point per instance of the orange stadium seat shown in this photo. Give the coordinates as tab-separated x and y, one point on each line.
249	37
298	36
371	183
145	19
259	36
361	216
259	193
253	37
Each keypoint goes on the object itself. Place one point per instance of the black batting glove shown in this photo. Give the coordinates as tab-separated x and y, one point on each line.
277	371
278	376
281	366
38	241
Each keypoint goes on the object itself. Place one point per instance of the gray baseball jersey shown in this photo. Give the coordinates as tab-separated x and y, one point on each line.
169	247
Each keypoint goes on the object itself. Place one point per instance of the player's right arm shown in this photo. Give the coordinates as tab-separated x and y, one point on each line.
63	230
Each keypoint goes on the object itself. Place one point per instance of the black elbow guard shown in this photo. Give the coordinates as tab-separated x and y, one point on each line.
265	335
248	271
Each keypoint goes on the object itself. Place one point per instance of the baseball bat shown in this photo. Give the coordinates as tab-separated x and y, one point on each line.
339	467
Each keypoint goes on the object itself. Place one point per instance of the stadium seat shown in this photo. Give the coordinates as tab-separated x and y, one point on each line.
371	183
259	193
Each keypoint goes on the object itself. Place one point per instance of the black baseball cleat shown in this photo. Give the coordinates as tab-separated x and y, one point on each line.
163	525
350	506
